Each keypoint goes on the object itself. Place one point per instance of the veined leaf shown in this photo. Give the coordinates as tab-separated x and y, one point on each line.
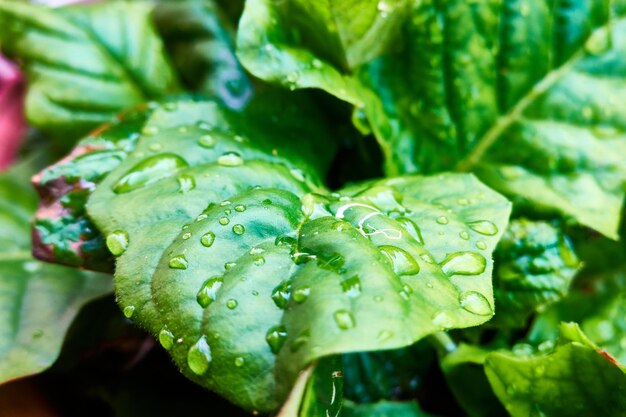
85	63
38	301
535	266
525	94
558	384
221	220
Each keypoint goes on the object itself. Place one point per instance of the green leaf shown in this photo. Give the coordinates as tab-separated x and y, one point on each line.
39	301
535	266
224	223
464	372
85	63
200	41
524	95
574	380
384	409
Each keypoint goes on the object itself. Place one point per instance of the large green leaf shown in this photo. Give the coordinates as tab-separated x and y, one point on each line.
85	63
574	380
38	301
526	94
220	220
535	266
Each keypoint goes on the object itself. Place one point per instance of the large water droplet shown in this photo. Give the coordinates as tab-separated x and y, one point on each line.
239	229
178	262
464	263
412	228
208	291
129	311
224	221
117	242
344	319
275	338
148	171
166	338
207	239
186	183
301	294
403	263
484	227
207	141
230	159
351	286
199	356
232	304
475	303
281	294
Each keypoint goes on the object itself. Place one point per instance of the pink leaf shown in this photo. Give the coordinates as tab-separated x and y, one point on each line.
12	122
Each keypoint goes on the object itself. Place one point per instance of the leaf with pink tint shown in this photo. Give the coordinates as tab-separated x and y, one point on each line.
12	123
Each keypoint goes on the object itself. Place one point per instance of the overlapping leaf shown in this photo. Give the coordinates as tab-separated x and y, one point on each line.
526	94
85	63
219	225
38	301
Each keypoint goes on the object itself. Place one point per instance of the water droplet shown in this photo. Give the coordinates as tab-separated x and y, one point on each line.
255	292
464	263
599	42
208	291
186	236
201	217
207	141
155	147
285	241
275	338
344	319
442	220
232	304
256	251
378	298
186	183
462	201
199	356
129	311
403	263
259	261
230	159
166	338
426	257
240	208
301	294
281	294
227	212
224	221
443	320
484	227
412	228
239	361
117	242
207	239
546	346
351	286
225	203
239	229
178	262
229	265
149	130
464	235
481	244
149	171
475	303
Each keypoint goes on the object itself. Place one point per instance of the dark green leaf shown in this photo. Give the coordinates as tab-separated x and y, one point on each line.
384	409
85	63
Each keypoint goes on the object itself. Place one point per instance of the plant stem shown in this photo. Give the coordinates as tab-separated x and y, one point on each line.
443	343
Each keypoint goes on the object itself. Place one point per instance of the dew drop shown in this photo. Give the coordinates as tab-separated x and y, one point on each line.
178	262
426	257
281	294
149	130
275	338
301	294
117	242
412	228
475	303
344	319
186	236
129	311
239	361
201	217
240	208
207	239
166	338
284	240
464	263
155	147
207	141
229	265
464	235
259	261
199	356
484	227
403	263
230	159
232	304
186	183
481	244
208	291
239	229
442	220
224	221
149	171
